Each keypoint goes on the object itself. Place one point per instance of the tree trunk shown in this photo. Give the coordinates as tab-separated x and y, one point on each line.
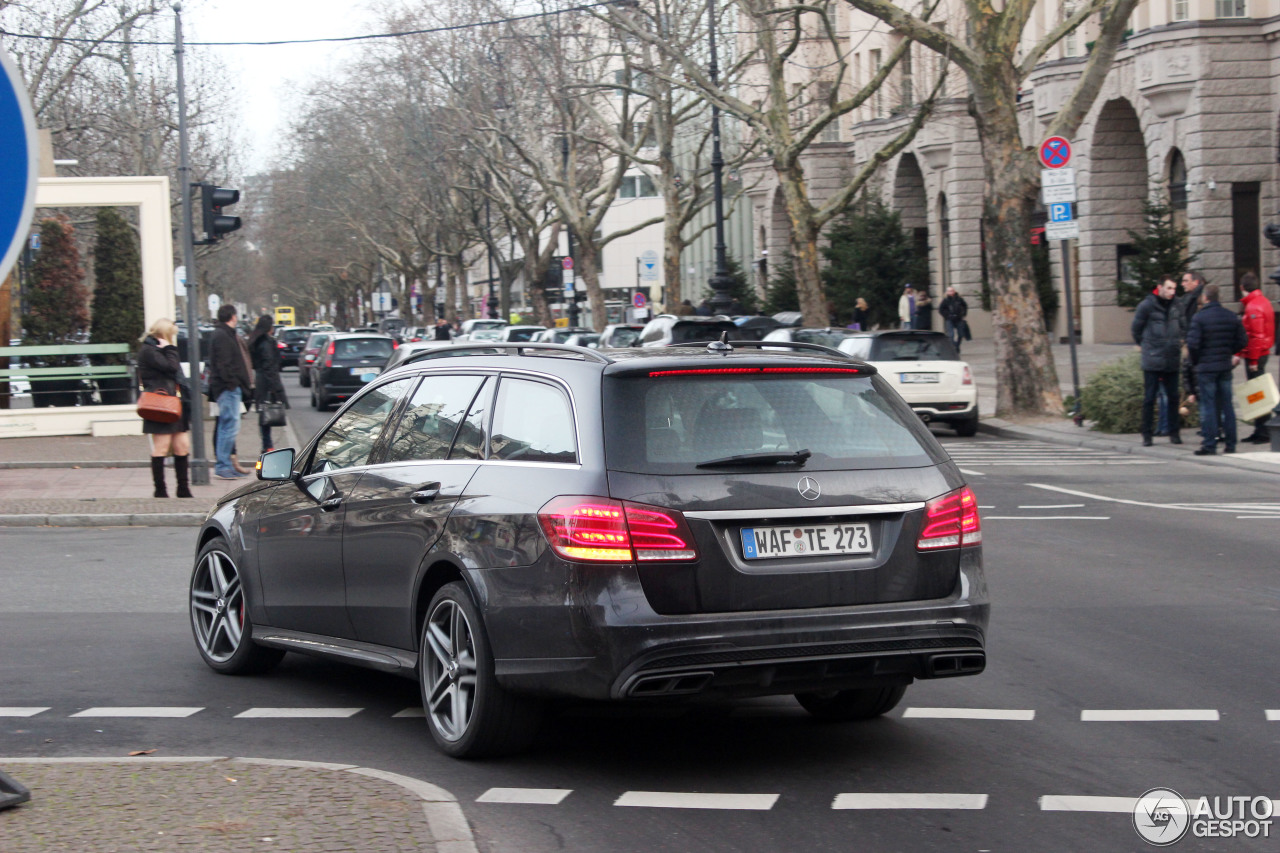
672	250
1026	378
587	255
453	265
803	239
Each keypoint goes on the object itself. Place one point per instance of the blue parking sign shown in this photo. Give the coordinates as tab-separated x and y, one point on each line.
19	155
1060	212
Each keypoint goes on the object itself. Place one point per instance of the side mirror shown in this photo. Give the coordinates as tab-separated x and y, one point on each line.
276	465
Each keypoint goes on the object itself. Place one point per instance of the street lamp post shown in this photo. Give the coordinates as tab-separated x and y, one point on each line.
493	294
572	273
721	281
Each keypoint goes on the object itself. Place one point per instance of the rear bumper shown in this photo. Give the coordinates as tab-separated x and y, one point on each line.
611	645
955	410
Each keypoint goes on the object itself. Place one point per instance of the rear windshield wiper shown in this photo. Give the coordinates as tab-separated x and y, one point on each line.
798	458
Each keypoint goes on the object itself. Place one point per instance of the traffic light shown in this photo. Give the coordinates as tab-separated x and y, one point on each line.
553	282
212	201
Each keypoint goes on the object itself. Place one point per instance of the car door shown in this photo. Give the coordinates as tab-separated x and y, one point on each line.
300	532
399	509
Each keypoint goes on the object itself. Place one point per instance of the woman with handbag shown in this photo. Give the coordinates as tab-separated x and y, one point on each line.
160	373
265	353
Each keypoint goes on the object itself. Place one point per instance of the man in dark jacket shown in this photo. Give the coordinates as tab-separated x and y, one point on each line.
229	381
1216	335
1158	328
954	310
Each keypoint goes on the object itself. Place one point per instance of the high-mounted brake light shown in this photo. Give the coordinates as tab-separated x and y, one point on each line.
951	521
603	530
713	371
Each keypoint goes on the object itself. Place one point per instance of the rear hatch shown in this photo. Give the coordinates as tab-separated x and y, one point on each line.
355	361
837	527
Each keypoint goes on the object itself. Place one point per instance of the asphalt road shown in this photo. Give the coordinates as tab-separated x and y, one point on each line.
1123	593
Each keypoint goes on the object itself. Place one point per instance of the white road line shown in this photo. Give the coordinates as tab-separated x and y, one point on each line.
138	712
21	712
1066	803
968	714
297	713
990	506
685	800
972	473
1050	506
1091	496
1046	518
525	796
416	712
910	801
1258	516
1273	716
1158	715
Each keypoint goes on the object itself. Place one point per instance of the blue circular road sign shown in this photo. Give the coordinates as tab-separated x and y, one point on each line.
19	157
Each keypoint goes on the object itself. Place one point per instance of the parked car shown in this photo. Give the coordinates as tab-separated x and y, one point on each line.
667	329
828	337
520	334
293	340
346	364
483	335
477	323
413	334
672	523
590	340
560	334
754	327
926	370
619	335
307	358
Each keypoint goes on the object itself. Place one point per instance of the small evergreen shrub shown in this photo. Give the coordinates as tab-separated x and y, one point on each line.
1112	399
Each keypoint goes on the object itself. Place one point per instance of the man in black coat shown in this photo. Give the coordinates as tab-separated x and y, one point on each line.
229	381
954	310
1158	329
1215	336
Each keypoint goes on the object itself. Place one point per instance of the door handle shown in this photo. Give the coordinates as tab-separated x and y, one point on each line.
331	504
426	494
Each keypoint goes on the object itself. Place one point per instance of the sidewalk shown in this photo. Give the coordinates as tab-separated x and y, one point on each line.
203	803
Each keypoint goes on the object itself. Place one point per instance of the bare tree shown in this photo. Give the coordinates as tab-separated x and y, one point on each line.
988	52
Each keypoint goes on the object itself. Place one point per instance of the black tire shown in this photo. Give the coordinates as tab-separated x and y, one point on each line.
220	615
304	377
968	428
322	398
469	714
862	704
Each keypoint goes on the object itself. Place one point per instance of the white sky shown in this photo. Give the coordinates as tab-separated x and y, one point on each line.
268	79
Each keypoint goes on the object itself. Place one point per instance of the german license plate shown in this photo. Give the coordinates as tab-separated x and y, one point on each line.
366	374
816	540
911	378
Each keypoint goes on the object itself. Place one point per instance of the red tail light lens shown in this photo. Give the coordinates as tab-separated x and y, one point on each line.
602	530
951	521
968	376
328	362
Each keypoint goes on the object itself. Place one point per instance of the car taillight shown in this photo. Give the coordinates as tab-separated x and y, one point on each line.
395	345
603	530
968	376
328	362
951	521
282	345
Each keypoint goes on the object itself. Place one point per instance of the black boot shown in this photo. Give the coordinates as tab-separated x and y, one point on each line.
180	469
157	476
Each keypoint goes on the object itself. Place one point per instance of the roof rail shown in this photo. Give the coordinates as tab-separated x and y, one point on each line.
503	348
767	344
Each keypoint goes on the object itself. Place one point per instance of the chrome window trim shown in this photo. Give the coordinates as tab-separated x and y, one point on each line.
803	512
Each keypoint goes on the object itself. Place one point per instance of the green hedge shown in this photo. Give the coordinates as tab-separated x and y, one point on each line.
1112	399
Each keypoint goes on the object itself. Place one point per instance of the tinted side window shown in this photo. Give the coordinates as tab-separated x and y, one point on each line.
351	438
430	423
533	422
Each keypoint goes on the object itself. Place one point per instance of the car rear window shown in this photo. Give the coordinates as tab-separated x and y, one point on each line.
822	337
687	333
624	337
913	348
521	335
670	424
364	348
293	336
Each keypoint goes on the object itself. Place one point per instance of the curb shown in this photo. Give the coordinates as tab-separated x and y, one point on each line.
105	519
449	828
1004	429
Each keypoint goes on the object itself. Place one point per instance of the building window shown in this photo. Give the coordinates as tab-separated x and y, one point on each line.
1178	188
1231	8
637	186
644	134
873	67
1070	44
830	133
1180	11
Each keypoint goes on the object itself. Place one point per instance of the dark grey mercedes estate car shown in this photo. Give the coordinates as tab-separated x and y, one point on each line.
538	520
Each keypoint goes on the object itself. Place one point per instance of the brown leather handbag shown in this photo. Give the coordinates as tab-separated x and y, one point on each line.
159	406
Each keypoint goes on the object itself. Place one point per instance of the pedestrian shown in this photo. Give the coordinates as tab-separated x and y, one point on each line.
159	369
703	309
1158	329
443	332
264	352
229	383
907	307
1212	341
861	315
1192	290
924	310
685	309
954	310
1259	320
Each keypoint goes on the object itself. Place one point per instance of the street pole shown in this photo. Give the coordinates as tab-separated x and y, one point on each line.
1071	332
199	464
571	279
721	281
488	231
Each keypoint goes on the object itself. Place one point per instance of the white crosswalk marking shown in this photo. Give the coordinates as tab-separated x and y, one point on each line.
1157	715
968	714
1001	452
525	796
1066	803
910	801
297	713
690	800
137	712
21	712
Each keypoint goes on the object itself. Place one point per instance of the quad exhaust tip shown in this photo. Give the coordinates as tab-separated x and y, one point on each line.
948	665
679	684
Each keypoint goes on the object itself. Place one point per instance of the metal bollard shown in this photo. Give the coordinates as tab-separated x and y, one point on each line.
1273	432
11	792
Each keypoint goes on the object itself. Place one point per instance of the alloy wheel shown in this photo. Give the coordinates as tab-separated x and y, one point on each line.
217	606
450	670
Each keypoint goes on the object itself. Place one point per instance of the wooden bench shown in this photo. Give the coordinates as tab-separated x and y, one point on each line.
83	372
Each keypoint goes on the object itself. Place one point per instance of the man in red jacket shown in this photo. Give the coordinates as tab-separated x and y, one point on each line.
1260	324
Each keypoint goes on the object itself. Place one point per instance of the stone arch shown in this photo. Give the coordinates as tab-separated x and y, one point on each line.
911	200
1175	185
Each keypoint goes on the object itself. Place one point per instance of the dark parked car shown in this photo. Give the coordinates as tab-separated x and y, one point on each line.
739	522
667	330
619	335
345	364
293	340
560	334
827	337
310	351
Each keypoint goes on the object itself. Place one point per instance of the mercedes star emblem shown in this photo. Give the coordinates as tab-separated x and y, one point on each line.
809	489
